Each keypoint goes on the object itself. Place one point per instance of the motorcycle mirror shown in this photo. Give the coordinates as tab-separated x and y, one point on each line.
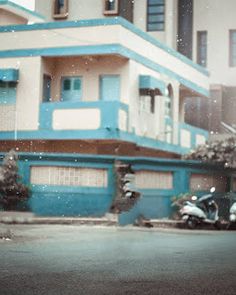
212	189
194	198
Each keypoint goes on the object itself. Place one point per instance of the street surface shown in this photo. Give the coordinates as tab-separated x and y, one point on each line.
57	259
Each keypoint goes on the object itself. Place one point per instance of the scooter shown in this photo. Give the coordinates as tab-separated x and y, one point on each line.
203	210
232	214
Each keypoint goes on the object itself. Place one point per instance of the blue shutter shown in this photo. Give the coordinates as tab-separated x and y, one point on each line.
7	92
71	89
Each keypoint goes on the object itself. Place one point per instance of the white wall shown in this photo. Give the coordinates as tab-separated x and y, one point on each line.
9	18
28	93
29	4
217	17
168	36
90	68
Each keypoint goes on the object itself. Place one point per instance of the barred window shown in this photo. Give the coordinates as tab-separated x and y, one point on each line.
145	179
203	182
202	48
155	15
68	176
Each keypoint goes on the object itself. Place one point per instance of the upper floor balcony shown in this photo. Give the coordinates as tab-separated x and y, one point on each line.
90	80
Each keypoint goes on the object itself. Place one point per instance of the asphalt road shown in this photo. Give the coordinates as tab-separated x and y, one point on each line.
53	259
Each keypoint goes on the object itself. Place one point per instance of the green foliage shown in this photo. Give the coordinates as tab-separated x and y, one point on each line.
125	195
12	191
219	151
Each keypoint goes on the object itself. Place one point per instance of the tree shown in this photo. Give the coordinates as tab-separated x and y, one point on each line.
12	191
125	195
219	151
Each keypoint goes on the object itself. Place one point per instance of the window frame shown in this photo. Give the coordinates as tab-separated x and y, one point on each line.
62	15
155	14
232	44
200	46
111	12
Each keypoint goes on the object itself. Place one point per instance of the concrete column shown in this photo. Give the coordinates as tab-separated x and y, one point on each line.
171	23
176	111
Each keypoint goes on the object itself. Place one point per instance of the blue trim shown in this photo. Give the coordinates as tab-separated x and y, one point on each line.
100	160
104	22
152	143
6	2
9	75
68	189
107	130
109	116
149	82
102	133
103	49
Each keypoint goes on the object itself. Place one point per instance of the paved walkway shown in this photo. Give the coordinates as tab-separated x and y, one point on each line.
12	217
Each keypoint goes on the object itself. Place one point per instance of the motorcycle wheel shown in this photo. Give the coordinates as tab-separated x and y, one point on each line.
191	222
218	224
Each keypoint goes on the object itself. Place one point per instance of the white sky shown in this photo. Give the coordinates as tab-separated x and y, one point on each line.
26	3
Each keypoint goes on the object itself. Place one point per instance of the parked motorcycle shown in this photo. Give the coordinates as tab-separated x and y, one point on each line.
232	214
203	210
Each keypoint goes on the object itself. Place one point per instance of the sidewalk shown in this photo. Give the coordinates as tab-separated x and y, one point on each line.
13	217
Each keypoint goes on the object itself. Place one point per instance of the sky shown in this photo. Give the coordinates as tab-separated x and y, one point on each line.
26	3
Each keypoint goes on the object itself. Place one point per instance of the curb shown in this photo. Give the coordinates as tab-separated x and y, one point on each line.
13	217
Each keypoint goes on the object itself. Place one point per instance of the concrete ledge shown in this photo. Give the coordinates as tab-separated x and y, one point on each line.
16	217
13	217
167	223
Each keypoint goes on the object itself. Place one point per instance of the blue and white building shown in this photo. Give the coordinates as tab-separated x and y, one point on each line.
78	93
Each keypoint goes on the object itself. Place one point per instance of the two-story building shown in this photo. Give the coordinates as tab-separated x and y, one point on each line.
81	87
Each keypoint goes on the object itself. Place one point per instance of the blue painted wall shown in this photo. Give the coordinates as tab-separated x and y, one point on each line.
93	201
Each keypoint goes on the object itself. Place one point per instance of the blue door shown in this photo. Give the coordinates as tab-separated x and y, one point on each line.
71	89
47	88
110	87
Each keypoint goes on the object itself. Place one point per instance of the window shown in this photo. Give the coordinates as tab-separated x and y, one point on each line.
47	88
169	101
68	176
110	7
155	15
232	48
145	179
146	103
60	9
203	182
202	48
71	88
7	92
